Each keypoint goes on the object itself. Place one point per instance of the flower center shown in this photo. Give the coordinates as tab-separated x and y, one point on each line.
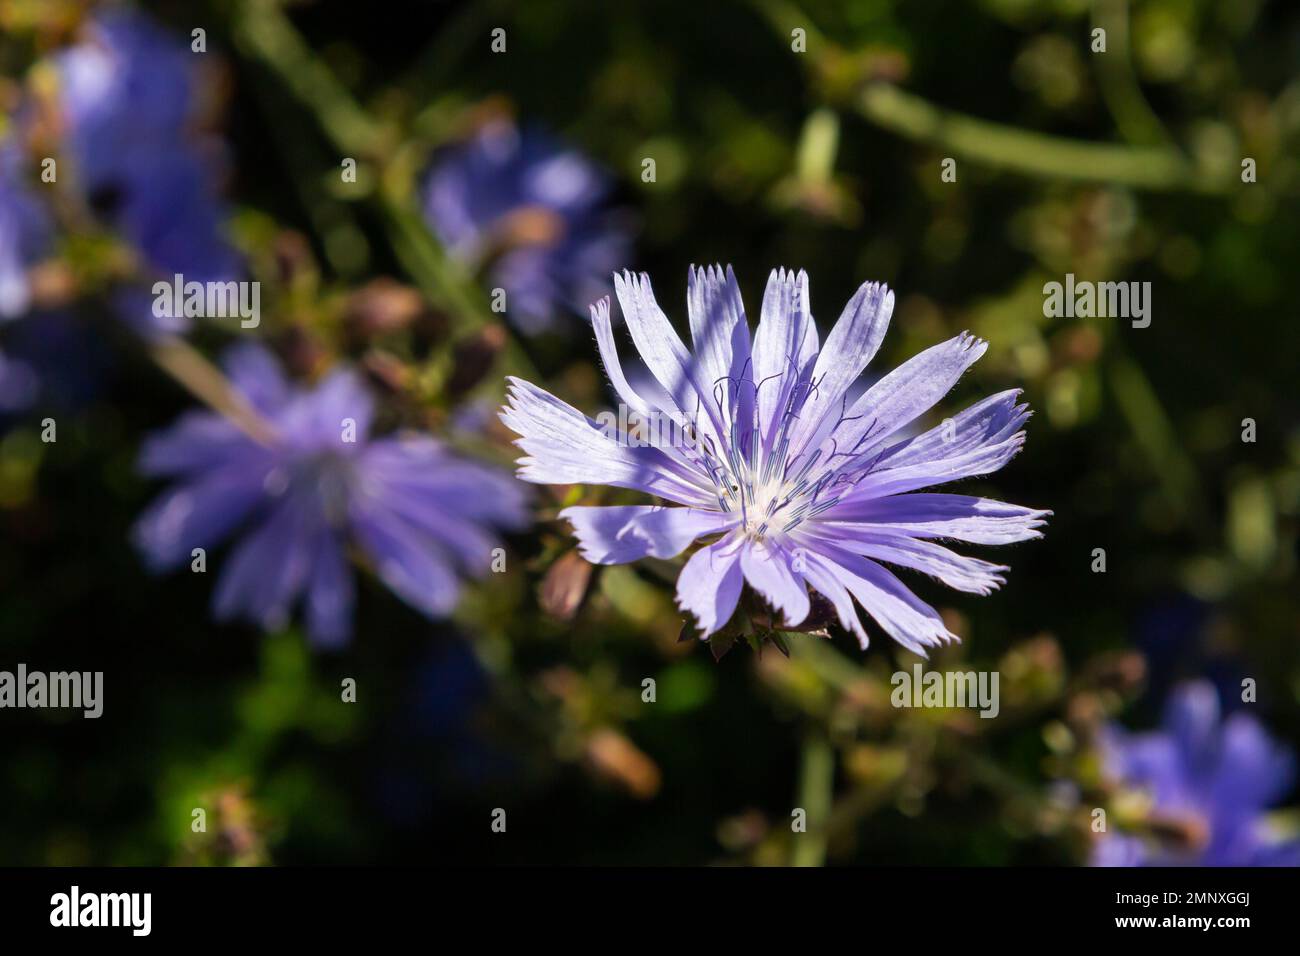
327	478
772	489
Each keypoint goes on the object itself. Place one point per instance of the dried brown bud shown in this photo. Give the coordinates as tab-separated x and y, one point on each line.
387	370
473	358
1185	831
1122	671
51	284
293	256
304	354
564	586
382	305
529	226
616	758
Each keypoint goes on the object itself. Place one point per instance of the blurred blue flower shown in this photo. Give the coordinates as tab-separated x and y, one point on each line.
533	209
24	233
53	357
1210	781
129	98
1174	633
320	483
19	385
803	487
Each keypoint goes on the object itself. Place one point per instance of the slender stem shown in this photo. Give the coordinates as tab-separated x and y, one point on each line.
433	70
1134	118
1153	430
326	213
981	141
859	803
816	781
205	382
1024	151
263	31
831	666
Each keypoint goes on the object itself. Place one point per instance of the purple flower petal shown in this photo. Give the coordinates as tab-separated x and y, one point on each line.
710	584
264	575
321	481
197	514
618	534
418	465
957	571
331	594
853	342
903	616
657	341
961	517
768	570
906	393
1253	771
255	374
407	562
567	447
337	414
609	357
986	423
477	193
196	444
818	574
923	474
719	332
1215	776
785	348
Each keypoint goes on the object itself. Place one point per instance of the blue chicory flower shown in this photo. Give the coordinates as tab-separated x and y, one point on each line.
537	210
1210	781
795	485
129	98
419	513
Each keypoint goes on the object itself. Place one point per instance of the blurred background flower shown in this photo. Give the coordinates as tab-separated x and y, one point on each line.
24	231
18	385
1207	783
534	214
302	466
132	107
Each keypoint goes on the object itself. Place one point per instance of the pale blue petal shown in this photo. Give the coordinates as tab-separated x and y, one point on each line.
709	585
621	533
767	568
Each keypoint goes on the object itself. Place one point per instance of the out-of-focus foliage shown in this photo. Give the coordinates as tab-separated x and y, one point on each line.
531	697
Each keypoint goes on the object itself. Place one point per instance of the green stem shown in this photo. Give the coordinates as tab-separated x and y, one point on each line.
816	781
1133	116
987	143
433	70
831	666
204	381
1023	151
1153	430
264	33
325	213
